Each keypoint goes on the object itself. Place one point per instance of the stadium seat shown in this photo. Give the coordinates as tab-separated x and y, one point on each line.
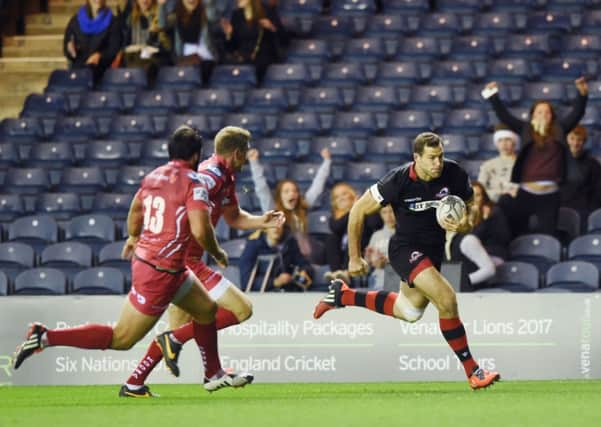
45	105
99	103
198	121
115	205
214	101
154	152
180	78
568	69
61	206
591	22
11	207
9	155
365	172
300	7
324	99
539	249
23	130
473	48
421	48
34	230
530	46
51	155
552	92
409	122
69	257
318	223
551	22
572	276
331	28
270	100
498	23
99	281
463	5
134	127
41	281
455	146
378	99
391	25
443	24
231	272
110	256
234	249
26	180
276	149
594	222
341	149
402	73
16	257
586	248
76	129
368	50
157	102
352	7
307	51
406	6
466	120
510	70
355	124
568	224
82	180
458	71
303	173
74	80
4	284
298	125
124	79
389	149
515	276
106	153
342	74
258	124
233	76
95	230
290	75
433	96
129	178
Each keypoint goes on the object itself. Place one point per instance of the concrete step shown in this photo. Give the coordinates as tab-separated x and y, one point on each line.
72	6
43	45
37	64
46	23
10	106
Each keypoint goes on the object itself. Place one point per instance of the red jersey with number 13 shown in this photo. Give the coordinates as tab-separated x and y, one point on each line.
168	194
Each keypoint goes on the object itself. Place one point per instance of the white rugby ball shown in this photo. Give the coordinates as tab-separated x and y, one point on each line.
450	207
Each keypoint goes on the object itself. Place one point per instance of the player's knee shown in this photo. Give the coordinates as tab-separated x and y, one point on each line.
122	340
406	310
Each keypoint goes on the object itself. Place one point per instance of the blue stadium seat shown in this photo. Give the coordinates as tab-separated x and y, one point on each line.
402	73
355	124
391	25
455	146
474	48
510	69
421	48
591	22
343	75
341	148
324	99
232	273
198	121
101	104
530	46
11	207
389	149
318	223
110	256
124	79
539	249
568	69
572	5
106	153
291	75
336	27
76	129
466	120
472	167
519	5
458	71
300	7
45	105
154	152
298	125
303	173
95	230
156	102
69	257
114	204
463	5
406	6
234	250
552	92
60	206
181	78
51	155
586	248
269	100
572	276
308	51
129	178
257	124
276	149
16	257
213	101
594	222
442	24
9	155
568	225
367	50
378	98
23	130
26	180
4	284
409	122
233	76
551	22
352	7
41	281
246	200
138	127
99	281
515	276
364	172
82	180
34	230
75	80
498	23
433	96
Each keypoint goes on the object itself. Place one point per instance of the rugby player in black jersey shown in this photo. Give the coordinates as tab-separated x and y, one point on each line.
416	249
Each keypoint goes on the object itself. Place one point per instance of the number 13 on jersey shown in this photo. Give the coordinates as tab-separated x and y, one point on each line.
154	210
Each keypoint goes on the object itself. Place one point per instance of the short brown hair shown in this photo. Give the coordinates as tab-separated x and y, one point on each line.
231	138
425	139
580	131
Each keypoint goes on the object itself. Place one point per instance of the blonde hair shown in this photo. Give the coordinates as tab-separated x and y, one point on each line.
231	138
336	211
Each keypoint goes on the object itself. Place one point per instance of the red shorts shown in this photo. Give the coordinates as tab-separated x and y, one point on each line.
213	281
151	290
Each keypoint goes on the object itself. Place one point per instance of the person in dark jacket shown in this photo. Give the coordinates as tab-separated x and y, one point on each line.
541	165
255	35
92	38
291	270
582	189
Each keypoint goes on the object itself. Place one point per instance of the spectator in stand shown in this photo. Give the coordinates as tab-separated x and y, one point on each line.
193	37
342	197
541	164
288	197
255	35
92	38
291	270
146	45
582	189
376	253
495	174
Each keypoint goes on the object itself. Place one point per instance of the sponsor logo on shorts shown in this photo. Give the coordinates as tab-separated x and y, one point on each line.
139	297
200	193
442	193
415	255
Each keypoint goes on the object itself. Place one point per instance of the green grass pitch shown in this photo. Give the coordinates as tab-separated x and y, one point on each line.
510	403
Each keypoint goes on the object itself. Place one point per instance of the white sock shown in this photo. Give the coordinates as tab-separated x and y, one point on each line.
133	386
472	248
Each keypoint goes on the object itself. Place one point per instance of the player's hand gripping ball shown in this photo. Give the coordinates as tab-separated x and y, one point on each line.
450	209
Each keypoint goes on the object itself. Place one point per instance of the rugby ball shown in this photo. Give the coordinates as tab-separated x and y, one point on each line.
450	207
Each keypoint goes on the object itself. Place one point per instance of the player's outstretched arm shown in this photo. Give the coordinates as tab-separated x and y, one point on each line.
366	205
240	219
202	230
135	221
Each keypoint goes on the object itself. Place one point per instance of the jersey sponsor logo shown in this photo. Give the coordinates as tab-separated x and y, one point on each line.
413	199
415	255
158	176
207	180
195	176
214	169
444	191
423	206
200	193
